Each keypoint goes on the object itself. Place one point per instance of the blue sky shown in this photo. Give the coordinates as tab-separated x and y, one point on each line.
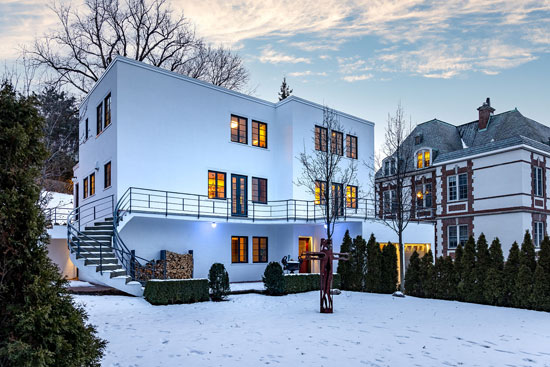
439	58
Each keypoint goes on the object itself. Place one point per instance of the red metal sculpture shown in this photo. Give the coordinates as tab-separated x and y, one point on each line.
325	257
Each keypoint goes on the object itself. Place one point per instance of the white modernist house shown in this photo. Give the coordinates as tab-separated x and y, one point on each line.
167	162
486	176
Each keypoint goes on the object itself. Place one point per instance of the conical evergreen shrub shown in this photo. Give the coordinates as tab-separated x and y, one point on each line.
345	267
511	270
427	276
218	281
483	264
467	285
540	299
389	269
494	291
374	266
527	254
360	265
524	287
412	276
445	282
274	279
40	325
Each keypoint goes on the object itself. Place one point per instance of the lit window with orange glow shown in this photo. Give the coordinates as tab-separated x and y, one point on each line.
419	160
351	197
239	249
427	158
423	158
320	187
259	134
239	129
216	185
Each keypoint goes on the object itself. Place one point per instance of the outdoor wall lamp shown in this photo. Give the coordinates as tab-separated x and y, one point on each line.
214	224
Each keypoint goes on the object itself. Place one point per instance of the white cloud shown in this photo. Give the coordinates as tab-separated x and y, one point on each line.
269	55
307	73
356	78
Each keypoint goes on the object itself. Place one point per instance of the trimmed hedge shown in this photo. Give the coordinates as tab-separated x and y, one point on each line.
168	292
298	283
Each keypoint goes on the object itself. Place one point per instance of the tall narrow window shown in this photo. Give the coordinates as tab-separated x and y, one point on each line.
216	185
107	107
423	158
424	196
457	235
389	202
338	198
239	129
107	175
239	249
457	186
351	197
538	181
86	129
85	188
259	249
320	189
321	138
92	184
351	146
259	134
538	233
337	143
259	190
99	116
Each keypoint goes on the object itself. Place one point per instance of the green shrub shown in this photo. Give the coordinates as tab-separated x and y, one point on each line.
168	292
298	283
218	281
274	280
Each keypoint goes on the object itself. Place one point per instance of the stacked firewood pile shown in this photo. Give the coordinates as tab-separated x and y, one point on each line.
177	266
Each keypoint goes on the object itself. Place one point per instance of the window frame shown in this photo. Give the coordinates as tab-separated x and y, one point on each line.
85	188
457	187
320	190
423	163
107	111
538	181
238	129
351	147
92	184
258	128
216	190
538	233
351	197
107	182
337	142
257	199
460	240
425	193
259	257
244	251
99	119
319	131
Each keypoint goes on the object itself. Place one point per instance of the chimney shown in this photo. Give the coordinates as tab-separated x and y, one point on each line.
485	112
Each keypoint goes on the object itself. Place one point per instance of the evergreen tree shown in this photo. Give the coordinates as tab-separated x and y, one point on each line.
540	296
427	278
544	255
444	275
412	276
523	287
467	285
483	264
494	283
511	269
527	254
218	281
40	323
285	90
345	267
389	269
359	269
374	265
459	252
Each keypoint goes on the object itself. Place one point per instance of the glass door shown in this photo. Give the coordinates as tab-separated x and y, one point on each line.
239	196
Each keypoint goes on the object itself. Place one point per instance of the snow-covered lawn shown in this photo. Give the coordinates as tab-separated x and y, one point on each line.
365	330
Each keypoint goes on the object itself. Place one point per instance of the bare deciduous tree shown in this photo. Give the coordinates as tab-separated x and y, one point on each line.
396	204
145	30
325	174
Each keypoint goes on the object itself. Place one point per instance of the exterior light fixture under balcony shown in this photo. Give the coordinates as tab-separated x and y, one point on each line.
325	226
214	224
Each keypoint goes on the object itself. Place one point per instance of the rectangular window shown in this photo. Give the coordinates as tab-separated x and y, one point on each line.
351	197
92	184
321	138
216	185
419	160
85	188
86	130
337	143
386	168
338	198
107	104
99	121
320	189
457	235
538	181
239	129
351	146
389	202
424	196
538	233
457	187
107	175
239	249
259	134
259	249
259	190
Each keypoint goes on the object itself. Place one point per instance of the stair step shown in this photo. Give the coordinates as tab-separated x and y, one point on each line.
119	273
109	267
97	232
103	227
95	255
93	240
109	219
103	261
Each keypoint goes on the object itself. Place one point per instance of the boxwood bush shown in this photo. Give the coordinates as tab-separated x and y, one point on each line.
298	283
168	292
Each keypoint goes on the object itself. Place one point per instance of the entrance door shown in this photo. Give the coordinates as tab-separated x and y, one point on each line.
304	245
239	196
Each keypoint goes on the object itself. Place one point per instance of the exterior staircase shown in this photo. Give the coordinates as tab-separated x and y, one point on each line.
92	252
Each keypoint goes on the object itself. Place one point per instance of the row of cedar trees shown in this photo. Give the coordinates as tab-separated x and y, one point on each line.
479	274
370	268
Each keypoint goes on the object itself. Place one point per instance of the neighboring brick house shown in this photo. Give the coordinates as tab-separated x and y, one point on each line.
486	176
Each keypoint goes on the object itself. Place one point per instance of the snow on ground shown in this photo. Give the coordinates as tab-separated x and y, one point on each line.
79	283
365	330
245	286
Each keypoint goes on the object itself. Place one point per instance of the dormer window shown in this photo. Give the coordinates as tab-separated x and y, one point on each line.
389	167
423	158
418	139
